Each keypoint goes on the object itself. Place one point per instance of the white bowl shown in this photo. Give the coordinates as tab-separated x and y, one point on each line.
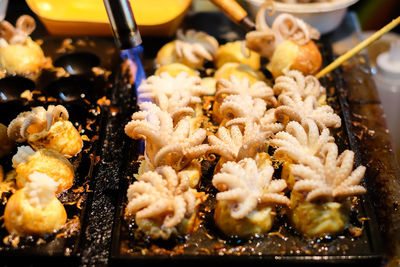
324	16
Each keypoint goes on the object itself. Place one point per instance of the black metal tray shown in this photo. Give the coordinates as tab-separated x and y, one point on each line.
206	245
79	91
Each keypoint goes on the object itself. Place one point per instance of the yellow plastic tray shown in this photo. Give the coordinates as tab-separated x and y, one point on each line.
89	17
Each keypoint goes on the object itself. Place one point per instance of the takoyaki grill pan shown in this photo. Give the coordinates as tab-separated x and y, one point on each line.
85	94
109	160
282	245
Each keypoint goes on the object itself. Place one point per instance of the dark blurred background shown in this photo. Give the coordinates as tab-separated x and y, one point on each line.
374	14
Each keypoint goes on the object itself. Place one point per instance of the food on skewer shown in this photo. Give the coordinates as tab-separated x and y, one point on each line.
49	129
19	54
34	209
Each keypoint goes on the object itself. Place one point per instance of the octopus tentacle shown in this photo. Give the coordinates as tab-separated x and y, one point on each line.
179	209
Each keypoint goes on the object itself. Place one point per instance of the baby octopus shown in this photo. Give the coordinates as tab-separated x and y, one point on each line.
304	139
165	144
332	178
295	81
9	34
245	187
291	107
178	95
195	46
235	144
47	129
235	86
161	195
238	107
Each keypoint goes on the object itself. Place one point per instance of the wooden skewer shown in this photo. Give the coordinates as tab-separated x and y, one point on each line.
358	48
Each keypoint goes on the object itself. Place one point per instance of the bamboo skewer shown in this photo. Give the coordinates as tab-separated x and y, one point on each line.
336	63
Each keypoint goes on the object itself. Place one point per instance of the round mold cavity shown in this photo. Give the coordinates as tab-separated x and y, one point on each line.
70	88
78	63
12	87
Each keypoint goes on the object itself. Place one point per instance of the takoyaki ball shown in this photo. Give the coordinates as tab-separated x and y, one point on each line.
62	137
23	59
258	222
232	52
174	69
35	210
291	56
240	71
50	163
318	219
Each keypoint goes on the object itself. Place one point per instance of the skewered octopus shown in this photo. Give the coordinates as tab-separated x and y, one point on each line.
246	198
291	107
18	52
165	144
287	44
161	201
47	129
35	209
192	48
333	178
